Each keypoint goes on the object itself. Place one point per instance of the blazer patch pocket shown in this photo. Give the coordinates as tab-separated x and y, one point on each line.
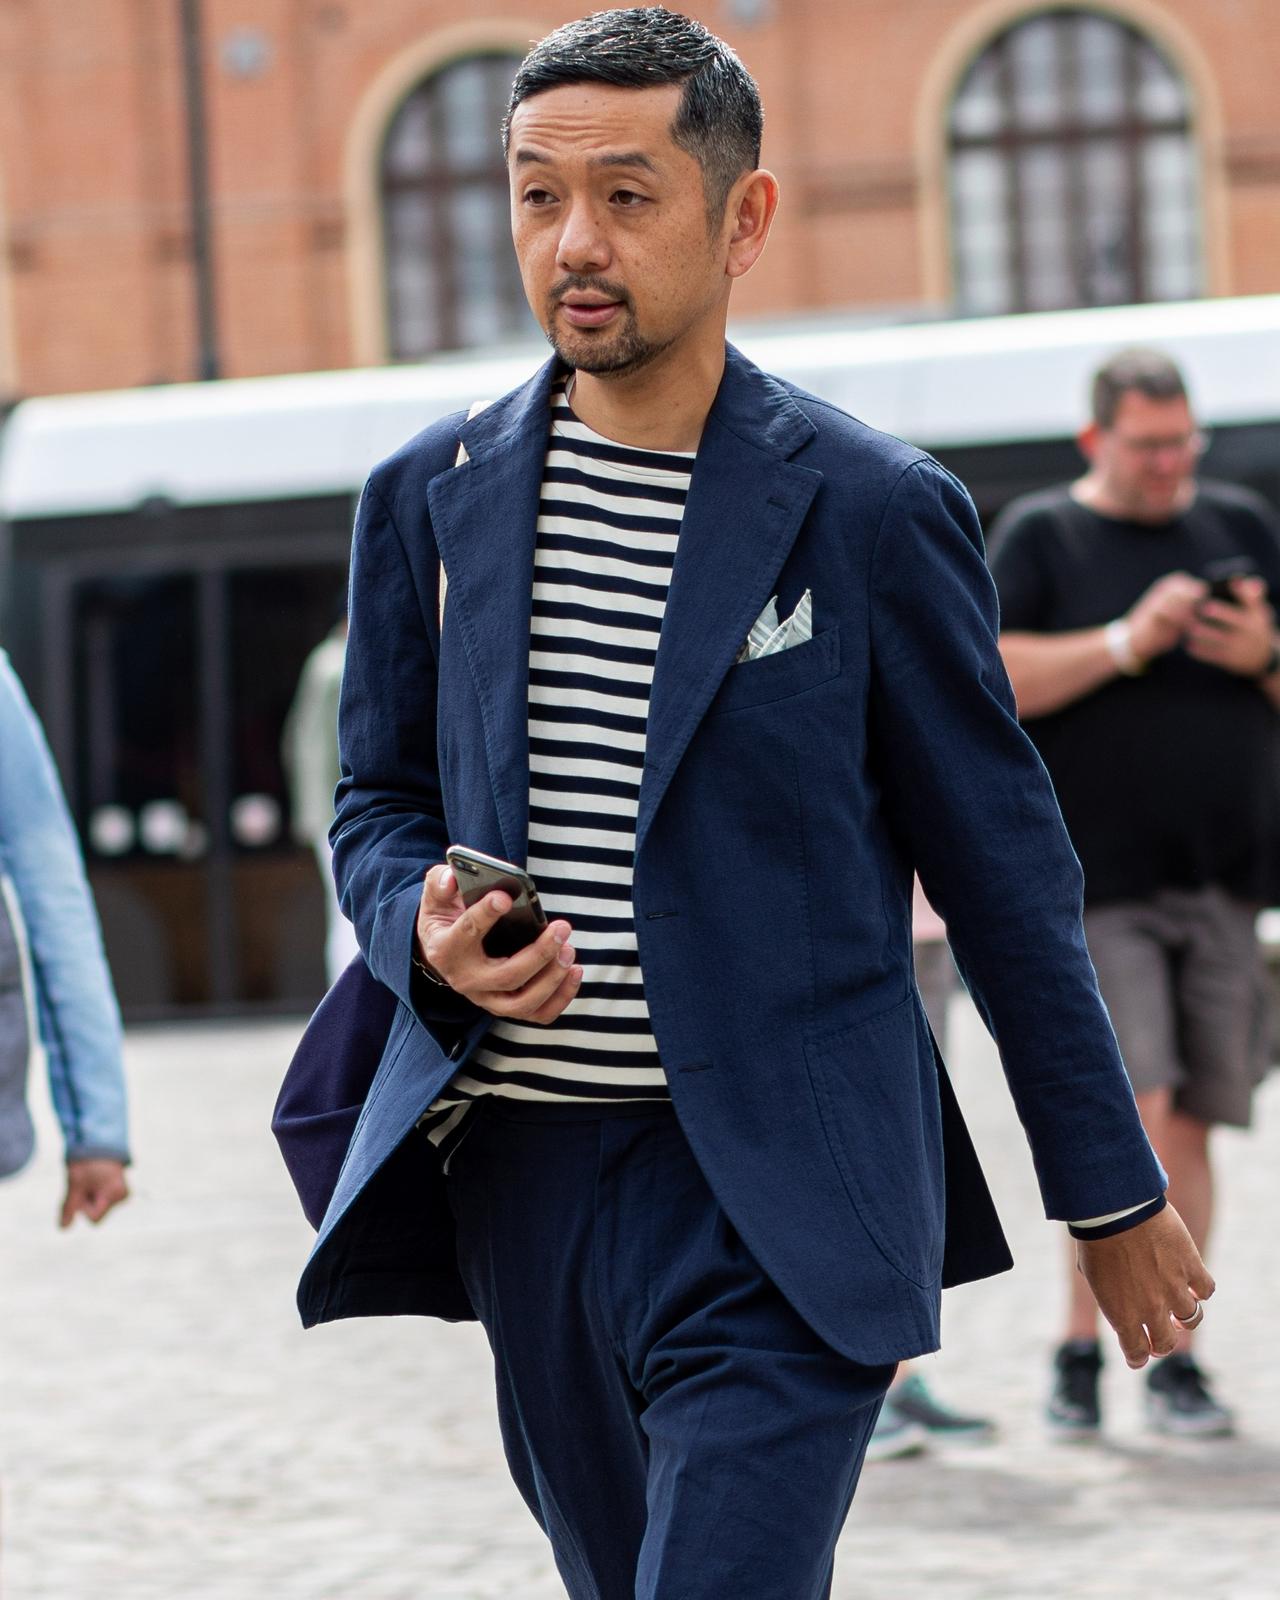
879	1105
780	675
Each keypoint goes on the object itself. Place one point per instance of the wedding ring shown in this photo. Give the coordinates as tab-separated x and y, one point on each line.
1194	1320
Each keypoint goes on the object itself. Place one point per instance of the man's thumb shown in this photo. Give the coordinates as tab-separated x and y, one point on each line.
441	884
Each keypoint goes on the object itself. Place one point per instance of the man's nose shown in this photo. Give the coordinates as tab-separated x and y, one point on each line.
584	245
1168	464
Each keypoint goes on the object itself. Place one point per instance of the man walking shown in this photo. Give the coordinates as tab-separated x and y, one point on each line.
718	664
1141	645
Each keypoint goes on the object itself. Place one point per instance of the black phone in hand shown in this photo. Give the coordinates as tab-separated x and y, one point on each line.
477	875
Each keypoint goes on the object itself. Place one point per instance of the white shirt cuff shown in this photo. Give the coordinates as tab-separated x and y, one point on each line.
1111	1216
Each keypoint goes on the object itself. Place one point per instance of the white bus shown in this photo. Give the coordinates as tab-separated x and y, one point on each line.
170	555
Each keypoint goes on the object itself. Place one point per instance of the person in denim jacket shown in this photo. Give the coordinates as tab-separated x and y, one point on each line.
48	926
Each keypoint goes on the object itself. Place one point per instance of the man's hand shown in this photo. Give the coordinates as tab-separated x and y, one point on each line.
1163	616
93	1187
534	985
1238	638
1142	1279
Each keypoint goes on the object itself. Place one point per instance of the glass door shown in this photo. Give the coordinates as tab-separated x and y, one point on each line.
179	685
138	786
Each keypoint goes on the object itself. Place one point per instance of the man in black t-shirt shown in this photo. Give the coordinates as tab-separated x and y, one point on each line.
1138	632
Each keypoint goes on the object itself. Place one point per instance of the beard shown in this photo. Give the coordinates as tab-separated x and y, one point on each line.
617	350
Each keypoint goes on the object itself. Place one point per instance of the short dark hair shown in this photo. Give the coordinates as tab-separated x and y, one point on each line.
1148	372
719	120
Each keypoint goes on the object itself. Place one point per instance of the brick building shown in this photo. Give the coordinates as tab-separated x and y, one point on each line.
936	156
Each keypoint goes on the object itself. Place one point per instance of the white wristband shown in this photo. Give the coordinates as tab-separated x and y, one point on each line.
1120	647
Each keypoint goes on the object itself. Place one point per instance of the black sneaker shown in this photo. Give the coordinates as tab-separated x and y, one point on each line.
1073	1411
911	1399
1179	1401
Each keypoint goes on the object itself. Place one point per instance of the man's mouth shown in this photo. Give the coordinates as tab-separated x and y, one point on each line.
589	311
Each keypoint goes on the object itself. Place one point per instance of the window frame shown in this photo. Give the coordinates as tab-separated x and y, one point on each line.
1070	134
437	183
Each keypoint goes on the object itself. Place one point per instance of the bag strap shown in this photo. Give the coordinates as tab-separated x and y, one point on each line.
442	588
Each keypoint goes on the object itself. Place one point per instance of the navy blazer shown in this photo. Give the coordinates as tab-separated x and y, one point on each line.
784	805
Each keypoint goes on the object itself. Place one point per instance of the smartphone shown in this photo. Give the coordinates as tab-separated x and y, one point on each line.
477	874
1219	575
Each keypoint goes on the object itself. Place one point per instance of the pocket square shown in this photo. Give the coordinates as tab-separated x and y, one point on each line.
768	635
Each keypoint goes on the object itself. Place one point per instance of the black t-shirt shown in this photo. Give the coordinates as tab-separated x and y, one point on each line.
1171	779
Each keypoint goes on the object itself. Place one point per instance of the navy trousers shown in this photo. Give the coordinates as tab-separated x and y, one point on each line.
679	1432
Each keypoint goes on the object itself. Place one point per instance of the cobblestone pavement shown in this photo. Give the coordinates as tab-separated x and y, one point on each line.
168	1433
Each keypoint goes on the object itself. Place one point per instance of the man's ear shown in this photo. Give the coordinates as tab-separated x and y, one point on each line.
1088	440
753	202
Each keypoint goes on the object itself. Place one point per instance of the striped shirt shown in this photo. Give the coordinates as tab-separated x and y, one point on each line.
608	524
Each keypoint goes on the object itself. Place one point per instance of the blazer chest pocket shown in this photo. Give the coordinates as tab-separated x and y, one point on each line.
781	675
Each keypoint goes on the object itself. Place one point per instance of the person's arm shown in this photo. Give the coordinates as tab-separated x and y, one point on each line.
1052	670
971	803
389	834
75	1003
389	826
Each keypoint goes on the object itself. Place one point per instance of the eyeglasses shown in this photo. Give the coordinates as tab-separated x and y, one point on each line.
1194	443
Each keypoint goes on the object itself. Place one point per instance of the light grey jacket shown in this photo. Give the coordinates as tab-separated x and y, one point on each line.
47	911
309	744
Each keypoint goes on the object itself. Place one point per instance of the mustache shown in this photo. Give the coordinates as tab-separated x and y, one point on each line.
588	285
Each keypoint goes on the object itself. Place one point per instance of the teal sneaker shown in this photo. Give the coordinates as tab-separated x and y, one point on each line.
911	1399
895	1435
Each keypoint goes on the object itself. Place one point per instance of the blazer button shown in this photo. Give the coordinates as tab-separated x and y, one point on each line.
458	1049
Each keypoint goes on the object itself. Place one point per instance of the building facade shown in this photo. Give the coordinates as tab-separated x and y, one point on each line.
936	157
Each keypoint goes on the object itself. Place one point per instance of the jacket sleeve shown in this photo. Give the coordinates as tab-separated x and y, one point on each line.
389	826
75	1004
974	809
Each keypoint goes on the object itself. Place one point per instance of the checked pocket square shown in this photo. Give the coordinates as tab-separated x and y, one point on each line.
768	635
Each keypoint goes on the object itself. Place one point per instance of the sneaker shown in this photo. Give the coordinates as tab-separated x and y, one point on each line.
895	1435
1179	1401
1073	1411
911	1399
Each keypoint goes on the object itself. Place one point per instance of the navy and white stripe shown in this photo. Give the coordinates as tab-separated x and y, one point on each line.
608	526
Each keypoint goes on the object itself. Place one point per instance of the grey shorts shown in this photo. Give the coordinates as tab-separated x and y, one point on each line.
937	981
1183	979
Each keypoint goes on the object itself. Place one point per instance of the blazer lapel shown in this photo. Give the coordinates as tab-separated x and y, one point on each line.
484	515
746	504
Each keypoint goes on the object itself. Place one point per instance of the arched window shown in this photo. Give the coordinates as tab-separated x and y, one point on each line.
451	277
1073	174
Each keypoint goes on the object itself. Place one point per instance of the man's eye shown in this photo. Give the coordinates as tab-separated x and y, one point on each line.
628	199
538	197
